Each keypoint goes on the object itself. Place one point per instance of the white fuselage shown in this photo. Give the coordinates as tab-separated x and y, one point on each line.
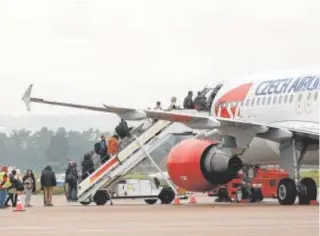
286	101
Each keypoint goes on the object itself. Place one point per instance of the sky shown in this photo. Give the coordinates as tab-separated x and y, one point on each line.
133	53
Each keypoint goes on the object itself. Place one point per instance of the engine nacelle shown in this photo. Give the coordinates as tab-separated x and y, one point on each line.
199	165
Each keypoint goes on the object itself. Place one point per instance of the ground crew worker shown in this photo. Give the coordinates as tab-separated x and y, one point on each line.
4	185
113	145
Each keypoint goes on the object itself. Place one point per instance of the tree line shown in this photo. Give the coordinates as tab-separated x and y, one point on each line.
24	149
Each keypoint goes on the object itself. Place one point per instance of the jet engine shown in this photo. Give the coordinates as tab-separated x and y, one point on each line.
200	165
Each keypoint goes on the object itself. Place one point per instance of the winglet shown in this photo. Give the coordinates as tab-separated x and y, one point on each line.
27	97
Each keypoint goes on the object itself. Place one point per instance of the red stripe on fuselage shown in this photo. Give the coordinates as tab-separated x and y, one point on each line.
237	94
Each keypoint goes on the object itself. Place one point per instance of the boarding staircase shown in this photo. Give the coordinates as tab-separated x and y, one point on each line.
117	166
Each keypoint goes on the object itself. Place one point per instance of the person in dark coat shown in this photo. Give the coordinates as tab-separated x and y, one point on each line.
48	181
12	190
72	179
87	166
68	191
188	101
200	102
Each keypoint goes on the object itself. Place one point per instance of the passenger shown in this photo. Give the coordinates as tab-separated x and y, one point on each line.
122	129
103	152
72	180
188	101
87	166
158	106
4	185
12	190
48	181
113	145
19	179
67	182
173	104
200	102
29	186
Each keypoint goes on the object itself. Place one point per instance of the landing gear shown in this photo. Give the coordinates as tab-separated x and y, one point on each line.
251	194
246	191
289	188
286	191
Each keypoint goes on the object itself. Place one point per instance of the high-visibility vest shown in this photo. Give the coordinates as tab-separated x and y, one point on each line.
7	184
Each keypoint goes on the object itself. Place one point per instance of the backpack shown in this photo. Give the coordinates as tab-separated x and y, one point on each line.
97	148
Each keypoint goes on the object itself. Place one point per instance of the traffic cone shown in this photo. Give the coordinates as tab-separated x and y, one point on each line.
193	199
176	201
19	206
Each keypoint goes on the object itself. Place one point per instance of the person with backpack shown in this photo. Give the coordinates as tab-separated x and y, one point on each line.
12	190
72	180
101	149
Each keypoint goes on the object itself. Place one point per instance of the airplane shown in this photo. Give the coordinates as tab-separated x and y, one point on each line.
252	121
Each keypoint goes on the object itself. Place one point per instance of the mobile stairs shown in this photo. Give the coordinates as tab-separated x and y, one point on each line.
137	147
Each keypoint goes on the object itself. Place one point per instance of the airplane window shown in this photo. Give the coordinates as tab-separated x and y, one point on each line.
280	99
291	98
252	102
285	99
247	103
274	99
263	100
258	101
309	96
269	100
316	95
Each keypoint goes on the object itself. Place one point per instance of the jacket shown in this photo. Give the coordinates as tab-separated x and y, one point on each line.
113	146
48	177
4	181
87	165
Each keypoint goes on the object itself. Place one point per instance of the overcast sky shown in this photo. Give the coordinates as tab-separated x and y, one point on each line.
133	53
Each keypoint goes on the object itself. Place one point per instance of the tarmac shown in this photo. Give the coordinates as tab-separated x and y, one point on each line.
134	217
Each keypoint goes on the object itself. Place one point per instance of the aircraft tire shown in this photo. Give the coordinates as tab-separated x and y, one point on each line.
166	196
259	194
223	195
286	191
101	197
85	203
150	201
311	188
241	193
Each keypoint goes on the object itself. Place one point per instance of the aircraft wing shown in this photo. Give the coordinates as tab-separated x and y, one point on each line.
236	133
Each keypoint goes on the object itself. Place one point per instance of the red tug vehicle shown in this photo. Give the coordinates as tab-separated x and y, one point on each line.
264	180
